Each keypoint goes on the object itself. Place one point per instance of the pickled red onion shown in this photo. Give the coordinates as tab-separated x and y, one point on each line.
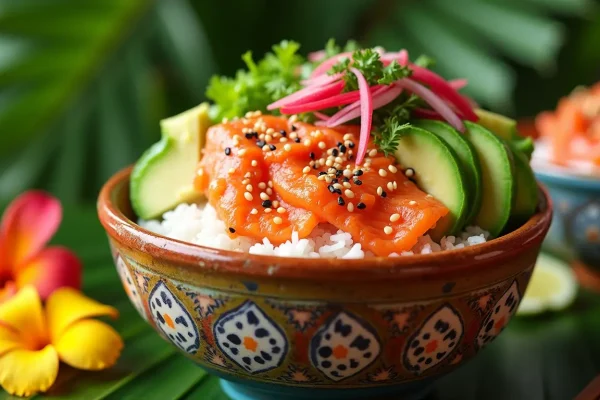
366	114
310	93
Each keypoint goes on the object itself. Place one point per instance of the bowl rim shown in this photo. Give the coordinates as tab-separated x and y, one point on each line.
200	258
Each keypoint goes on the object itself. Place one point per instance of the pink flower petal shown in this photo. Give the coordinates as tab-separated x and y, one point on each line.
52	268
27	225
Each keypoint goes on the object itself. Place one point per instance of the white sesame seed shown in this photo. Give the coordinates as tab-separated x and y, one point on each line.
283	140
293	135
322	145
261	136
392	169
349	193
388	230
382	172
249	188
264	196
347	173
266	148
262	185
293	118
348	136
379	191
321	177
373	153
395	185
270	131
287	147
329	163
254	163
318	133
409	172
268	210
269	191
390	186
275	203
247	175
306	170
268	138
200	172
270	184
394	217
429	196
337	186
248	196
236	137
231	171
281	210
241	152
249	114
307	142
350	207
254	211
339	160
330	151
277	220
412	202
347	185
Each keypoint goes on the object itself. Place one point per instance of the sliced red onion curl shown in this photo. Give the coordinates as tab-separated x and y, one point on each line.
366	115
330	62
381	97
311	93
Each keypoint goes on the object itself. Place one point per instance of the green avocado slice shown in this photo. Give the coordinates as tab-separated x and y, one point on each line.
506	129
498	178
467	157
163	176
437	172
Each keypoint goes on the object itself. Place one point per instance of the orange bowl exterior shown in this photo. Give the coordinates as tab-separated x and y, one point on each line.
321	323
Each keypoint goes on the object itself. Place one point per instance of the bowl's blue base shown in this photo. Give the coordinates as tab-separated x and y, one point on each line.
254	391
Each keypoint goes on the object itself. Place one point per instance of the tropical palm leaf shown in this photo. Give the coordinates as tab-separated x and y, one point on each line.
469	38
83	84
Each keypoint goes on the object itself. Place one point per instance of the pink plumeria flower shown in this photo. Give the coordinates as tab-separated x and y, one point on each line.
27	225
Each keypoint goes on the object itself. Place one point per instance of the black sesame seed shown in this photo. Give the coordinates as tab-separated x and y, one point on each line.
331	188
227	151
334	181
383	194
283	133
342	149
311	155
357	182
341	201
322	173
297	140
351	145
249	135
335	152
267	203
339	173
338	191
272	147
350	157
261	143
315	166
346	179
361	206
358	173
339	144
294	127
231	230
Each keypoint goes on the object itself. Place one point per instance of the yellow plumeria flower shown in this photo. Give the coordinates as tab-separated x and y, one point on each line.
33	341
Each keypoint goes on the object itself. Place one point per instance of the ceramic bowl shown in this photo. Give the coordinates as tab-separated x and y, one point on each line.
575	230
285	328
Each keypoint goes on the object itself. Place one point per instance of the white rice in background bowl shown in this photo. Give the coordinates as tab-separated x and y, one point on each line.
200	225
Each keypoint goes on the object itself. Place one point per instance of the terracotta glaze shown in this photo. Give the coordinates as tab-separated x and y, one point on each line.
321	328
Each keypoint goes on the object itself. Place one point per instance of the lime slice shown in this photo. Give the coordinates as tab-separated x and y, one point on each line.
553	287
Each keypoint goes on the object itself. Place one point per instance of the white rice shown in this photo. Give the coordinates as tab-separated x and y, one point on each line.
199	224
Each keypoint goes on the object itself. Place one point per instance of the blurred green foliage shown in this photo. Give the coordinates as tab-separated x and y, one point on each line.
84	83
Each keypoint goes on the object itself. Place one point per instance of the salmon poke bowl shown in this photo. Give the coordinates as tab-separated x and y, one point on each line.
342	225
567	161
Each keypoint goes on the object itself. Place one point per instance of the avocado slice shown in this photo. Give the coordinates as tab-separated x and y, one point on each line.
437	173
498	178
467	157
506	129
163	176
526	199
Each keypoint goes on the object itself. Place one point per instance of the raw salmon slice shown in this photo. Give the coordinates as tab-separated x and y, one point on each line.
252	167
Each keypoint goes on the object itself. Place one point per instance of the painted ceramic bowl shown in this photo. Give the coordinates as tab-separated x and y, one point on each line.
575	230
279	328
